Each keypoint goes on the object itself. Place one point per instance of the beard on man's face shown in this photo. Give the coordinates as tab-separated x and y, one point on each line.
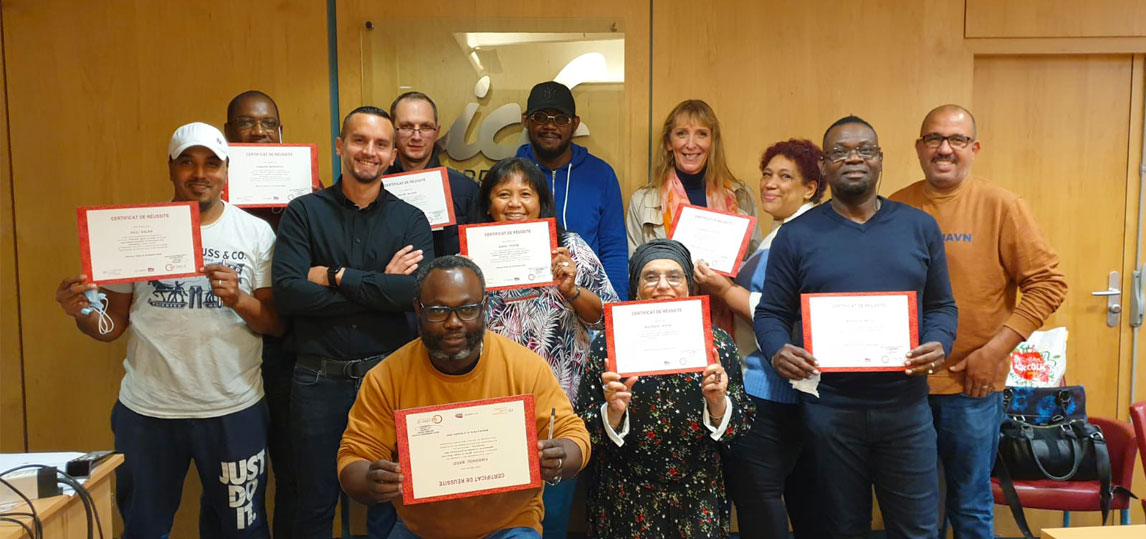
433	341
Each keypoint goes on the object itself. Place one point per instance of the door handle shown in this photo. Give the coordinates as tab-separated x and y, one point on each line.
1112	294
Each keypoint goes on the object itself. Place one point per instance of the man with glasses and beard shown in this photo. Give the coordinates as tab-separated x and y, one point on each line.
995	250
342	272
456	360
865	428
585	188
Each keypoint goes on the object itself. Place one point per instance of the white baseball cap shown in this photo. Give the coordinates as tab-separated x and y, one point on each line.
198	134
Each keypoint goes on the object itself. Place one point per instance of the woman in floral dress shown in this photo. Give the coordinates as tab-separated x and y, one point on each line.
656	438
553	321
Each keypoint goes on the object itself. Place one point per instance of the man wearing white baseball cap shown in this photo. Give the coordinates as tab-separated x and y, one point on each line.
191	390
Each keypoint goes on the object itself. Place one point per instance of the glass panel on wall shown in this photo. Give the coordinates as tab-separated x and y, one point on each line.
479	74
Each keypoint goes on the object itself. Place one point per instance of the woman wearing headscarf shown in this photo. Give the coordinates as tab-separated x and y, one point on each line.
656	438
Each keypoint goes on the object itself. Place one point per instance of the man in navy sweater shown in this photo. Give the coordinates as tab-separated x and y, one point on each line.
585	188
865	428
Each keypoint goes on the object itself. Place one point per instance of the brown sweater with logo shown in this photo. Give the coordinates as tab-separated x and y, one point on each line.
994	250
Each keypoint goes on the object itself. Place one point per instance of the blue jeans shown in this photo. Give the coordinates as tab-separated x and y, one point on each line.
319	405
968	437
229	453
400	531
890	448
557	501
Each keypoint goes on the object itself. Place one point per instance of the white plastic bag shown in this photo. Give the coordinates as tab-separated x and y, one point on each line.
1039	361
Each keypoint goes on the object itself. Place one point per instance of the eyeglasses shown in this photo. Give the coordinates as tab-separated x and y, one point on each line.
541	118
441	313
249	123
421	130
651	280
935	140
838	154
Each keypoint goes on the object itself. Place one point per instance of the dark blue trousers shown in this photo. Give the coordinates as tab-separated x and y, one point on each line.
277	370
229	452
319	406
892	449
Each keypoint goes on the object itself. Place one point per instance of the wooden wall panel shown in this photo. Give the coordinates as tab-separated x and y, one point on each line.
96	89
1056	18
11	364
776	70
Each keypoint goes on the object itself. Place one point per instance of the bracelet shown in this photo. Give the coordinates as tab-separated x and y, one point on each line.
575	296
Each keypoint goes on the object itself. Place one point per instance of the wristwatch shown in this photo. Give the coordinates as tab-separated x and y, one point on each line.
331	272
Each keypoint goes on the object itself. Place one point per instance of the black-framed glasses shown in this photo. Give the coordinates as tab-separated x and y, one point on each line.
245	122
420	130
541	118
652	279
441	313
935	140
838	153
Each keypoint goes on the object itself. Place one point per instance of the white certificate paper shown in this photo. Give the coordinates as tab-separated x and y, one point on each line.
468	449
716	237
270	175
513	254
870	331
659	336
122	244
428	190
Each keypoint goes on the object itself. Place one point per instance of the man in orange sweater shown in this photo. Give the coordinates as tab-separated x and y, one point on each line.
994	249
456	360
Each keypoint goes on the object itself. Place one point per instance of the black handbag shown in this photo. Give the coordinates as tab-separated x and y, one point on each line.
1045	435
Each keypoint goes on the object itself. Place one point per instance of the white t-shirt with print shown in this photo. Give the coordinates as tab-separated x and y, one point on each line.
188	356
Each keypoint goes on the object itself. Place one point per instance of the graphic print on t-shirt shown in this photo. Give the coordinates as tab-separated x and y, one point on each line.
196	293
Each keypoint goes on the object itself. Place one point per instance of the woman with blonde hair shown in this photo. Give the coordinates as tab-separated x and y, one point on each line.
690	168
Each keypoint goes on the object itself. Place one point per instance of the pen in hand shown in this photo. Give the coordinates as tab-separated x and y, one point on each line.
552	419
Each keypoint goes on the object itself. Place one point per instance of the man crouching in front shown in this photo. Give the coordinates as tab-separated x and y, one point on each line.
456	360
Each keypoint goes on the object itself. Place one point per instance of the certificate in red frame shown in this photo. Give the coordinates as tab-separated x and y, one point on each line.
148	273
611	338
463	240
743	244
315	183
878	365
449	196
455	412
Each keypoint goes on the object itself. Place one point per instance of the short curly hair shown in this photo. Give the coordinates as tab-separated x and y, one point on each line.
806	155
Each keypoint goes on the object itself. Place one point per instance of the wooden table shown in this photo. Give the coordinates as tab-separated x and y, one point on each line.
1096	532
63	516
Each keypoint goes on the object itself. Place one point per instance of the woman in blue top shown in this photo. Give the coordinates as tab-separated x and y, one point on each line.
768	461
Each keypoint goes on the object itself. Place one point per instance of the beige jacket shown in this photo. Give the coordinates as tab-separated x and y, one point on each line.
644	219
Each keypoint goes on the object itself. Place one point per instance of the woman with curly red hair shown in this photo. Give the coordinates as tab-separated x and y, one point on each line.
768	462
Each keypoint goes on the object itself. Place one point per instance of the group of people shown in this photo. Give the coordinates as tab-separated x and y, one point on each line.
345	307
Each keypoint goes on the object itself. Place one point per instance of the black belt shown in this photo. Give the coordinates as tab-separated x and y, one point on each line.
351	369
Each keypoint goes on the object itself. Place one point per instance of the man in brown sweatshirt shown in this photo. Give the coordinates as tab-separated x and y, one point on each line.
994	250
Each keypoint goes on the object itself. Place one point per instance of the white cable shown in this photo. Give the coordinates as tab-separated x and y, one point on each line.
565	207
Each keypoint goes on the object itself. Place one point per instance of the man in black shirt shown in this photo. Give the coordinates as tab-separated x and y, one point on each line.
342	272
416	121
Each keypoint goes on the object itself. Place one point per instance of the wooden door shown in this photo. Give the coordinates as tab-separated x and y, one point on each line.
1056	130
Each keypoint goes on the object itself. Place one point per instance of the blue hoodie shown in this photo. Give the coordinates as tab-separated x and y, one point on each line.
588	201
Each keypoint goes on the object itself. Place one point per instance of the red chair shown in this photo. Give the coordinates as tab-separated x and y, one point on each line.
1067	496
1138	417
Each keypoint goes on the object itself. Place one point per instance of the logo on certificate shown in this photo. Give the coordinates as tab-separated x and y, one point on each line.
437	419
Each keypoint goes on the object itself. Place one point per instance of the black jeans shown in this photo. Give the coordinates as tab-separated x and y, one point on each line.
278	369
769	462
